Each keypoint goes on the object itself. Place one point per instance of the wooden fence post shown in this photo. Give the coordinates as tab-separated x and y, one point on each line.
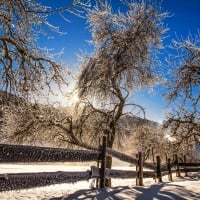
178	174
169	169
140	169
103	163
166	158
98	164
153	156
185	168
137	169
97	179
158	169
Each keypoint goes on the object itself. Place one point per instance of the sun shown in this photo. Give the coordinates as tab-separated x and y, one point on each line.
73	98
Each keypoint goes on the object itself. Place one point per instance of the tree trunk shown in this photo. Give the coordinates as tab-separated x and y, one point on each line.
109	160
108	182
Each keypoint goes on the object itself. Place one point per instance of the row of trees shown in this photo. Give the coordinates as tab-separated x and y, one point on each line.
184	90
124	60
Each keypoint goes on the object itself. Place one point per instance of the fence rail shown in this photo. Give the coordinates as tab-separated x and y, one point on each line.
22	153
189	164
29	180
121	156
128	159
122	174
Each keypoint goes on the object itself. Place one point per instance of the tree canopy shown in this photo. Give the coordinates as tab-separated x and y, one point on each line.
26	68
184	87
124	57
123	61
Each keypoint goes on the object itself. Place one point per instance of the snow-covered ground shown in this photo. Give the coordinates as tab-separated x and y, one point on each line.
183	188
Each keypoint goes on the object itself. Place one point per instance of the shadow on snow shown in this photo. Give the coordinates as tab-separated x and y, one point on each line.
158	191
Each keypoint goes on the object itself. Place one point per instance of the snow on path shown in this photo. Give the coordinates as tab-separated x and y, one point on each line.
183	188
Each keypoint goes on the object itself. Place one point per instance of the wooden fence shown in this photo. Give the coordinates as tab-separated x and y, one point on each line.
19	153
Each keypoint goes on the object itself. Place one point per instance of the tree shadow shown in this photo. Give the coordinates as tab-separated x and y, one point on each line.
157	191
191	177
99	194
174	192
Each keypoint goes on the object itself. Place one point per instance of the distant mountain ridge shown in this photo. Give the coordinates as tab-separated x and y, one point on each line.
6	98
138	121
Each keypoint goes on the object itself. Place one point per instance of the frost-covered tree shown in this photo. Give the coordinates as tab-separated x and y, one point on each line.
35	124
125	53
25	67
184	91
149	139
125	44
44	125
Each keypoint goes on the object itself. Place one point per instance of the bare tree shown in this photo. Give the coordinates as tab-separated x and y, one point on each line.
25	67
44	125
123	61
36	124
149	139
184	87
27	70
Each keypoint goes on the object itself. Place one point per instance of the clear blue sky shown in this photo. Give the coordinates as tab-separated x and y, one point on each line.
185	19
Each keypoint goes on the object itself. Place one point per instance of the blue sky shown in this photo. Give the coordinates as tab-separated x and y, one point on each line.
185	19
